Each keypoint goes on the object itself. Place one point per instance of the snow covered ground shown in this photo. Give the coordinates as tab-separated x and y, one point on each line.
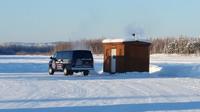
173	84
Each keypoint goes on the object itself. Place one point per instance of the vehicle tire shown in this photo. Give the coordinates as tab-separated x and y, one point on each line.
51	71
66	72
86	72
71	72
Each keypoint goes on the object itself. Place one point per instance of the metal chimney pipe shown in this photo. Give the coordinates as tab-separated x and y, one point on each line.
134	36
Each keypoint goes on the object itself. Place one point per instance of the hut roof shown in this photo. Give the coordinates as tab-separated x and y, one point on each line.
123	40
112	40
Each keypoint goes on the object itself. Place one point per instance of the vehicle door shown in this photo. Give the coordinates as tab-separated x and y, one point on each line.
84	59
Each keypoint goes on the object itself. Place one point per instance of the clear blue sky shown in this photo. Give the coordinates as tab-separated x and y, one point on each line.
64	20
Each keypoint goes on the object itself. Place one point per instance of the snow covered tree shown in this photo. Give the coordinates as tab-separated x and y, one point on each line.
190	48
172	47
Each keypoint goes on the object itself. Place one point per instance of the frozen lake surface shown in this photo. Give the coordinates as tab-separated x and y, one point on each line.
172	85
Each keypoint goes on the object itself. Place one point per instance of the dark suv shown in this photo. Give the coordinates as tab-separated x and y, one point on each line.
71	61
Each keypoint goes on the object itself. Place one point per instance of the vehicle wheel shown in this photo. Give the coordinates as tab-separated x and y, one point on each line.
51	71
70	72
66	72
85	73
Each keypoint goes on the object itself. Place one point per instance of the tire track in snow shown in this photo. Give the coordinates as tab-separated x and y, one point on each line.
139	87
153	92
179	89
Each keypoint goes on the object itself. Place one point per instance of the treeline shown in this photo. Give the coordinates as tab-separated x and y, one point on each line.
180	45
95	45
173	45
22	49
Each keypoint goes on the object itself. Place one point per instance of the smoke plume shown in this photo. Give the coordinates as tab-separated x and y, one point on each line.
138	31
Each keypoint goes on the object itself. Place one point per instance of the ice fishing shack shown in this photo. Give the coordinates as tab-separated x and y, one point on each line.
122	55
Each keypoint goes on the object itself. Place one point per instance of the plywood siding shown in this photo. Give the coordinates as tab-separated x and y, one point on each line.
120	58
137	58
130	56
107	64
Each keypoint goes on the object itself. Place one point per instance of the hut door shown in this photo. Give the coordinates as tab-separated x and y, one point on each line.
113	60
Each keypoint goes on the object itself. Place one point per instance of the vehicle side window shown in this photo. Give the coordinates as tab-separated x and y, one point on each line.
66	55
80	55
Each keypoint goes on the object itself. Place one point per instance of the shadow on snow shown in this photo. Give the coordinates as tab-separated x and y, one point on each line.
116	108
